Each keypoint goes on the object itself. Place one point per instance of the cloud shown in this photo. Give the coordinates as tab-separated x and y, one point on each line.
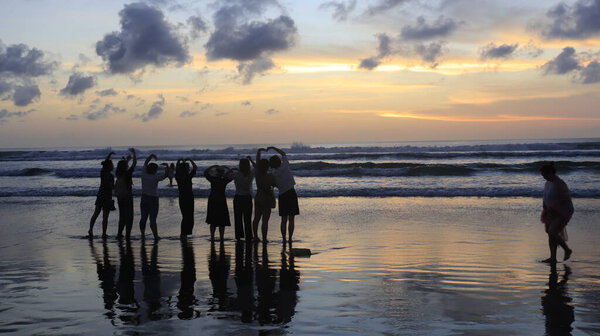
78	84
107	92
145	39
272	111
591	73
26	94
248	70
5	87
341	9
197	26
95	113
384	49
252	40
423	31
6	114
246	103
21	61
563	63
187	114
240	38
502	51
430	53
155	111
383	6
578	21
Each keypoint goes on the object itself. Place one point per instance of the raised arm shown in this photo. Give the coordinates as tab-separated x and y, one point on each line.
148	159
108	156
179	161
282	153
194	167
258	153
166	174
134	159
252	162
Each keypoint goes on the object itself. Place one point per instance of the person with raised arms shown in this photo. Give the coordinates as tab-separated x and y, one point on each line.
288	199
149	200
104	201
217	213
184	176
264	200
124	193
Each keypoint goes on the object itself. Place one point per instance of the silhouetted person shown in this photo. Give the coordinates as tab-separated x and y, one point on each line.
171	173
288	199
217	214
264	200
218	272
124	193
555	304
265	283
288	288
149	201
242	202
557	211
104	200
125	286
186	299
151	280
244	280
106	275
184	176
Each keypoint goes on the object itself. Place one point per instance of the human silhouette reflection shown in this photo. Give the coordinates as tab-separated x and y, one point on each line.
287	297
151	279
186	299
265	283
106	275
218	272
244	280
125	286
559	314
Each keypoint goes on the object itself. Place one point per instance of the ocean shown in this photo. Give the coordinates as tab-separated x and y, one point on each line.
428	169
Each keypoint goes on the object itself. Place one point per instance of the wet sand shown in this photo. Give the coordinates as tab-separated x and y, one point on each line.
381	266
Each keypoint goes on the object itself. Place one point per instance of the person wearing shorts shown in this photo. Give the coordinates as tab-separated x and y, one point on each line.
288	199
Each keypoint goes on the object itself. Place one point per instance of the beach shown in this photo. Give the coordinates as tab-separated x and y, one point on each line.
380	266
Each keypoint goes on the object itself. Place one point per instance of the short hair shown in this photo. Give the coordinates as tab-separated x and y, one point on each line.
548	168
151	168
275	161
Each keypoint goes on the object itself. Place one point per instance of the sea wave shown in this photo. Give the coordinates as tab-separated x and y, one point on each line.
558	149
355	169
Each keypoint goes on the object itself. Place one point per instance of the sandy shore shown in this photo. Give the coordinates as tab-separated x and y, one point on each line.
399	266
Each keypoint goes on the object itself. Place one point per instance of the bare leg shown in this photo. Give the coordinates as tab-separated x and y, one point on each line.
93	220
291	227
552	245
143	219
283	227
559	241
265	223
212	232
105	213
257	215
221	233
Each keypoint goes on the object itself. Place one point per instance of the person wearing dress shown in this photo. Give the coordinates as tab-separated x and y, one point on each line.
217	214
104	202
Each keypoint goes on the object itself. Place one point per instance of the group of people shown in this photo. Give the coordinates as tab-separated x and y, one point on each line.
268	174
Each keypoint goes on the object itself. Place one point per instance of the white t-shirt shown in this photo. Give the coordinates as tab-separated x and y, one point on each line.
150	182
243	183
283	176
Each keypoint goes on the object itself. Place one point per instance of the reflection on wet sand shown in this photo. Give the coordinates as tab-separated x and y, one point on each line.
218	272
555	304
151	280
125	285
106	276
186	299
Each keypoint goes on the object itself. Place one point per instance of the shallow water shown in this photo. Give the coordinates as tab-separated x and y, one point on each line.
382	266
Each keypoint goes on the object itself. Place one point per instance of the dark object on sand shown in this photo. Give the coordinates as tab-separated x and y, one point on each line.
300	252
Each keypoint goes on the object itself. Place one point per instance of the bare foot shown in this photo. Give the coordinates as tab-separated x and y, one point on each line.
568	254
549	261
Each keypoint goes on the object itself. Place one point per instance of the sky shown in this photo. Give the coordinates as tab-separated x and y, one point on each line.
173	72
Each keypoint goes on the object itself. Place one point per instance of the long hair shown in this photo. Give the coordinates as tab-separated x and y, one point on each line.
262	167
107	165
183	169
245	166
121	168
